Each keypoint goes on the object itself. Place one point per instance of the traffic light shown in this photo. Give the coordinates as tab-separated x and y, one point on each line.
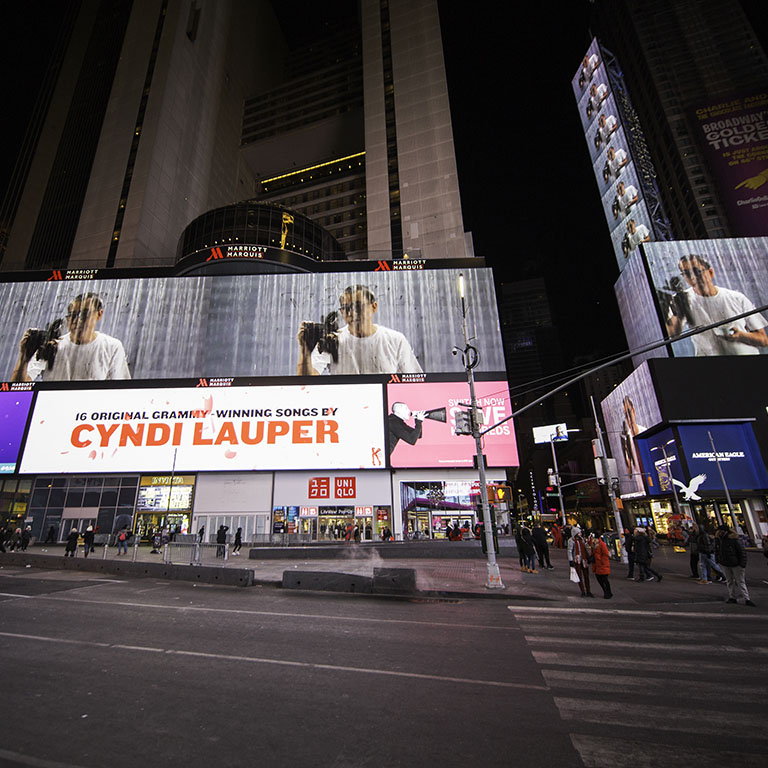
499	494
463	422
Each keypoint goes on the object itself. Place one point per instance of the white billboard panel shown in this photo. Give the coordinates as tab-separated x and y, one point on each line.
206	428
555	432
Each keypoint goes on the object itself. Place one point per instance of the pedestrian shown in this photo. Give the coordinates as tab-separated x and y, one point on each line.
529	549
733	558
15	539
201	534
520	547
238	542
26	537
642	549
693	550
578	558
542	546
707	562
221	540
601	566
122	541
51	537
557	536
71	547
88	540
629	546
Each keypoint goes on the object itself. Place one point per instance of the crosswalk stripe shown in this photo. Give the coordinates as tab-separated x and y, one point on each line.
608	613
657	717
650	665
571	630
606	752
563	678
638	646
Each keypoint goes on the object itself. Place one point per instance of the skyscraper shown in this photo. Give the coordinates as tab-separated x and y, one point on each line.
674	56
166	109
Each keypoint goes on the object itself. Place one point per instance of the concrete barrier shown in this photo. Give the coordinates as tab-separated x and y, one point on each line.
327	581
239	577
394	581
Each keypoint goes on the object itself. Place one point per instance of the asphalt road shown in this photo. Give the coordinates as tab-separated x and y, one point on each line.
101	672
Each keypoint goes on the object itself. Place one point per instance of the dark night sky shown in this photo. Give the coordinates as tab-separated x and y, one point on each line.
528	193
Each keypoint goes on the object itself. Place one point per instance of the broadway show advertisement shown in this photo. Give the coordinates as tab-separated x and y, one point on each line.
422	418
700	282
333	323
196	429
629	410
734	136
14	409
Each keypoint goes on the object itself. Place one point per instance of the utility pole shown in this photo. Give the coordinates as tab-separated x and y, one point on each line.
471	358
608	480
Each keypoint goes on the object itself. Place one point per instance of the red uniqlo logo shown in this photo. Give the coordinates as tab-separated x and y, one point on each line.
319	488
345	488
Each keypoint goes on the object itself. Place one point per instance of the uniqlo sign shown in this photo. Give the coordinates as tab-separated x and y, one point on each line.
319	488
345	488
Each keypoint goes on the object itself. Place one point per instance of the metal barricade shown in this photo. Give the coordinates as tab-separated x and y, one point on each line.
195	553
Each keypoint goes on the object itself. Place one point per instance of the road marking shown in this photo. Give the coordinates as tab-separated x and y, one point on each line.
657	717
620	662
11	594
278	614
639	646
568	629
37	762
601	752
280	662
608	612
562	678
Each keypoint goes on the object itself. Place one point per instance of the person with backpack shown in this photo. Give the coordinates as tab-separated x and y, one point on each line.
88	541
122	541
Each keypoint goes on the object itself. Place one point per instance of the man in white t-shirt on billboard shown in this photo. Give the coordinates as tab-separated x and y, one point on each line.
360	346
704	303
80	355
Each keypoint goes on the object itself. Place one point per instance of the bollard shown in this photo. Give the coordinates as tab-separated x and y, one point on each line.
104	554
135	552
196	554
165	553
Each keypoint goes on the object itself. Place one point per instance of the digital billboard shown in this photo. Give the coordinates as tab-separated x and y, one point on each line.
637	307
695	467
630	409
395	321
699	282
421	420
197	428
552	432
14	410
733	134
626	213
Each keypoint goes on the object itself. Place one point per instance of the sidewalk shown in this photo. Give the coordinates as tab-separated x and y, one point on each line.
453	574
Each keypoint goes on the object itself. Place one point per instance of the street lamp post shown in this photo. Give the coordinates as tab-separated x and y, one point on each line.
557	478
470	357
725	487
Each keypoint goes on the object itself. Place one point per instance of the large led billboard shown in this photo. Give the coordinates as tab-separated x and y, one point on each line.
206	428
630	409
389	322
700	282
14	410
692	464
621	193
421	421
733	133
637	307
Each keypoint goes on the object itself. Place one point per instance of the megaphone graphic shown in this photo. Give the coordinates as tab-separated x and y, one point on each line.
436	414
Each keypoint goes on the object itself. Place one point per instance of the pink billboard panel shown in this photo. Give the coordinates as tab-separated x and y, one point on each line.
421	420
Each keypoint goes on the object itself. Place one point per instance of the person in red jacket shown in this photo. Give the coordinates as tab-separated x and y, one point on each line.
601	565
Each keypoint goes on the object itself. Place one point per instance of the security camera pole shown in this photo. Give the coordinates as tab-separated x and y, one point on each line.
470	357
